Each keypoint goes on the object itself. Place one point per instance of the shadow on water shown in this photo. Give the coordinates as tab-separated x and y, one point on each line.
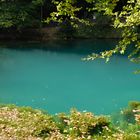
79	47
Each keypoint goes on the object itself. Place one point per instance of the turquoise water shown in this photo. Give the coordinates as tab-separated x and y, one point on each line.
55	79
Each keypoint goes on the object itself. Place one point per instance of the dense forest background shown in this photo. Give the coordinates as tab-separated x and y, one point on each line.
19	14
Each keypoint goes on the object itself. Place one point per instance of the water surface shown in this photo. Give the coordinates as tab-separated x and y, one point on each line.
51	76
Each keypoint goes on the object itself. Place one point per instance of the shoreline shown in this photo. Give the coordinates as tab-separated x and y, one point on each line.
55	33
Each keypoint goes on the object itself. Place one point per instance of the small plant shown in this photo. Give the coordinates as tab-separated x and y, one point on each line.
83	123
130	112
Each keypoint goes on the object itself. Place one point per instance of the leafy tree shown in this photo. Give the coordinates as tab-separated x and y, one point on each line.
128	20
125	15
19	13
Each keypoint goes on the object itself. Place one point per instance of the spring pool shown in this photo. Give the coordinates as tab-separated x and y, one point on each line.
51	76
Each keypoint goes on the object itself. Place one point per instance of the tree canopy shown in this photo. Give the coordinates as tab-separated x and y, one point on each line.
124	15
19	13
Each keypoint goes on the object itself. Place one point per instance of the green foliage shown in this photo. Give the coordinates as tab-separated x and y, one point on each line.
125	18
82	124
19	14
128	117
66	11
123	14
128	20
26	123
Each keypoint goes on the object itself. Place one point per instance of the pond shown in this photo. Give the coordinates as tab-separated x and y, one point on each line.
53	77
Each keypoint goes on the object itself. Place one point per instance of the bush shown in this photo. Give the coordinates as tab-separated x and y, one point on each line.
27	123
